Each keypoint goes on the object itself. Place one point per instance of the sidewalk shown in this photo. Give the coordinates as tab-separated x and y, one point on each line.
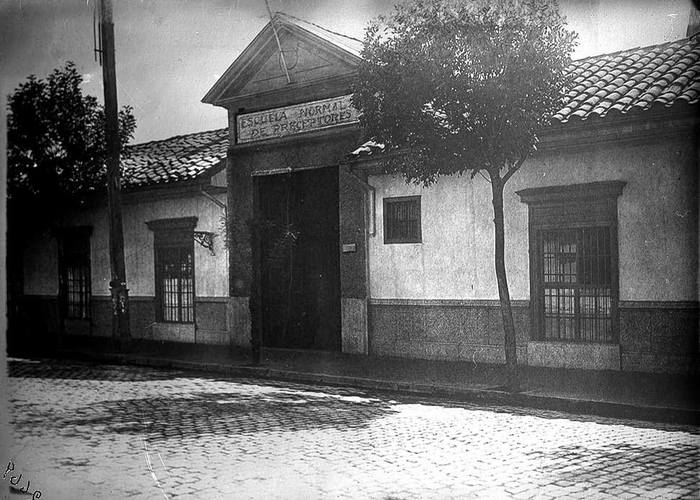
661	398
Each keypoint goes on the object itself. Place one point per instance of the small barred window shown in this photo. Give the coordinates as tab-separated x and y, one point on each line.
402	220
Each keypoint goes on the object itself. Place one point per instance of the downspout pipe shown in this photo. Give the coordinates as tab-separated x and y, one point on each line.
221	205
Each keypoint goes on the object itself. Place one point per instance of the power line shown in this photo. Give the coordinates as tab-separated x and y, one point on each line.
320	27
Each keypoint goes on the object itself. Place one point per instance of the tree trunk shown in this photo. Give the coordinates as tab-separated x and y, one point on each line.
503	293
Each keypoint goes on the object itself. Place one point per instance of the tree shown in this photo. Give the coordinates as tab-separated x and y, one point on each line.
56	140
453	87
56	155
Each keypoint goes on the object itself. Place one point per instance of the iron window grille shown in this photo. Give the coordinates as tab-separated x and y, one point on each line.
402	220
174	269
74	275
175	283
574	286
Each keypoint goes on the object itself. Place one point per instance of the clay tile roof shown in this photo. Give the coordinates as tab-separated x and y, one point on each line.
661	74
622	82
180	158
636	78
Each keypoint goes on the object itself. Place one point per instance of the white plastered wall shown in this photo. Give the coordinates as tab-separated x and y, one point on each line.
211	272
657	227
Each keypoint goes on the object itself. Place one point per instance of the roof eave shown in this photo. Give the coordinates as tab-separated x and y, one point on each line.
201	178
660	124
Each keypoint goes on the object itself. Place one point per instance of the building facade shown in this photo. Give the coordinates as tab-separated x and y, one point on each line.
174	201
290	129
330	253
601	224
601	255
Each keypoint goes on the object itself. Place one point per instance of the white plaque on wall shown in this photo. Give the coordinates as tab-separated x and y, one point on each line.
290	120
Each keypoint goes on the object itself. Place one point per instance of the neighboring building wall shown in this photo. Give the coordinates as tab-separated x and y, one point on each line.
450	275
41	265
39	312
211	272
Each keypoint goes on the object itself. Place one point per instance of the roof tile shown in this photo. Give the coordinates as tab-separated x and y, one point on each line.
624	81
179	158
634	78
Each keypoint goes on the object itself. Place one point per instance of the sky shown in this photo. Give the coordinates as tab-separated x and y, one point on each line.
169	53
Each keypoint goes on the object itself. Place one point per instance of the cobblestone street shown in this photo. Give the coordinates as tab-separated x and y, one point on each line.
86	431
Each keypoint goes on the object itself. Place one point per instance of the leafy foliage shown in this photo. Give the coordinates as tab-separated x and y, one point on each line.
462	85
455	86
56	138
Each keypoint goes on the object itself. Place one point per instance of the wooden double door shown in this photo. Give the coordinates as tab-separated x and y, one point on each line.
300	268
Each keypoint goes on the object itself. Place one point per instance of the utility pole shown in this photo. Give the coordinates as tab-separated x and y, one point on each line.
117	286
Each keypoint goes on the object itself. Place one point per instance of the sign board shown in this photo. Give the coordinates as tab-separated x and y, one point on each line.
290	120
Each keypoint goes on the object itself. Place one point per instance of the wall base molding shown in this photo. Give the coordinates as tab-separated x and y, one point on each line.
447	302
354	325
587	356
658	304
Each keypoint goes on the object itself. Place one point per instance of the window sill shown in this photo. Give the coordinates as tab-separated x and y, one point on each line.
582	355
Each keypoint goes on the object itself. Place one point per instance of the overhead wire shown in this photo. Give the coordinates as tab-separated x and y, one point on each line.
320	27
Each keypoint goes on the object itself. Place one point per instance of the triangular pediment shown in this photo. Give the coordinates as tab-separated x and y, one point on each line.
260	69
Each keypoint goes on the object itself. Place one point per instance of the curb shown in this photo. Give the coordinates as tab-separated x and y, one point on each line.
492	397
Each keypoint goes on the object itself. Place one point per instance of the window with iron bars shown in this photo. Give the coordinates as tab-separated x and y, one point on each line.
74	275
175	283
576	284
174	268
402	220
574	289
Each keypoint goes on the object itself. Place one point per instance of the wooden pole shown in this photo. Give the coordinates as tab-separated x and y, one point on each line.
120	294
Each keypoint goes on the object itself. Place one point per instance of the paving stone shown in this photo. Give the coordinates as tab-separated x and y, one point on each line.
127	432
